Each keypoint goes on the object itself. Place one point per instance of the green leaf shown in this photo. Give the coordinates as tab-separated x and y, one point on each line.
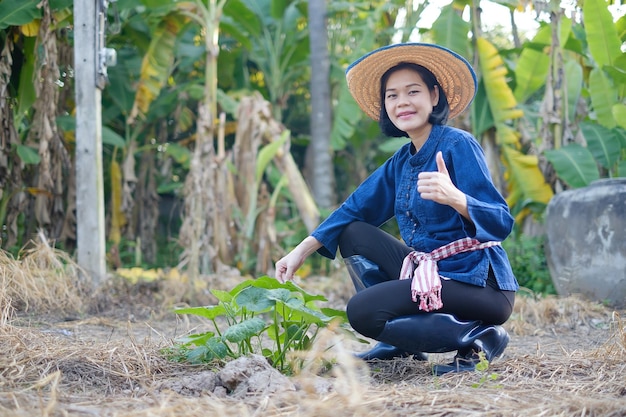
255	299
347	115
604	145
61	4
281	294
157	63
621	169
223	296
66	123
531	73
18	12
110	137
217	347
574	86
450	30
603	97
244	330
482	119
199	355
197	339
209	312
526	183
392	144
26	89
574	164
604	44
300	312
268	152
180	154
620	133
619	114
331	312
501	99
236	13
28	155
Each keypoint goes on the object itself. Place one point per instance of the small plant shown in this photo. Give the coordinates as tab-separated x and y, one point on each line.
259	316
482	367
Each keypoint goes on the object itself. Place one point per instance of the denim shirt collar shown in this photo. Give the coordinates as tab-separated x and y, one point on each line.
426	152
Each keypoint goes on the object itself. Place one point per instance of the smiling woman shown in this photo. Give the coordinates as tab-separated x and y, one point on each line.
447	284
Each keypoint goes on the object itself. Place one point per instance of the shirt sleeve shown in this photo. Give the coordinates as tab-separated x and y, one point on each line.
488	210
372	202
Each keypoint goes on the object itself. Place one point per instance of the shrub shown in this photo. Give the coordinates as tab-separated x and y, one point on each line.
528	260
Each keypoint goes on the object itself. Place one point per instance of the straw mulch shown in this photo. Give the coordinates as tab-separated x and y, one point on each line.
566	358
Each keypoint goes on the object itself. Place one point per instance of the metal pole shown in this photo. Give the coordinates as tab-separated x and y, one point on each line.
90	232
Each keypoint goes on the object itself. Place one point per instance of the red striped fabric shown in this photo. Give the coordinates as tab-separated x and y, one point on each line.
421	267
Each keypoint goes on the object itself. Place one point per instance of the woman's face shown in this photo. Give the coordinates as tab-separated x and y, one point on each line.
409	102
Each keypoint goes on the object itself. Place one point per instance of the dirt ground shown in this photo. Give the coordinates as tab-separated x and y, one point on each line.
566	358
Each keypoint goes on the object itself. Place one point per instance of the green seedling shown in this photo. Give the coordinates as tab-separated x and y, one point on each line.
258	316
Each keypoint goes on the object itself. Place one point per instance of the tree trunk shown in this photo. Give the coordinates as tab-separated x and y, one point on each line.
319	158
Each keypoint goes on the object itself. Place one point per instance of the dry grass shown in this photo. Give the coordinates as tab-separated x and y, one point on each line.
566	358
41	278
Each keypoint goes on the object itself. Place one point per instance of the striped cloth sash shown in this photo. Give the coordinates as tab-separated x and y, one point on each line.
422	268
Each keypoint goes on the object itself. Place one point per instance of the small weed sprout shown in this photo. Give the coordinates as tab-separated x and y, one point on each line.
486	377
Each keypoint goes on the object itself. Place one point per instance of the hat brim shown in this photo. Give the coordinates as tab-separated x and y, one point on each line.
453	73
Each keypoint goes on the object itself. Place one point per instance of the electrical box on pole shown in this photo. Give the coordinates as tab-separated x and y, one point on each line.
91	58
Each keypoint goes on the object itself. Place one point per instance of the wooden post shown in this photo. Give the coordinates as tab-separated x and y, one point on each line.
90	232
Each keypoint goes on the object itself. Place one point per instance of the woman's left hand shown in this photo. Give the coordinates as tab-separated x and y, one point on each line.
438	187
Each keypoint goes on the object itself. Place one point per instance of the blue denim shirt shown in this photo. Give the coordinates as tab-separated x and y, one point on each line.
425	225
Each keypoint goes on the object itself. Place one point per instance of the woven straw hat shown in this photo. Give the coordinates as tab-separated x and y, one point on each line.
454	74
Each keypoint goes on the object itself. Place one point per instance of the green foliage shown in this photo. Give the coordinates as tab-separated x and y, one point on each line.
261	316
528	261
486	377
603	156
18	12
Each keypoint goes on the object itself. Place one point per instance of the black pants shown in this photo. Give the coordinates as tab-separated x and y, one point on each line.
370	309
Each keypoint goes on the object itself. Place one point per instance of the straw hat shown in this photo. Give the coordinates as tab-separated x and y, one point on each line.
453	73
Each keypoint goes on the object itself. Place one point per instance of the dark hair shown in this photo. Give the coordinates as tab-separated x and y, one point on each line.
440	113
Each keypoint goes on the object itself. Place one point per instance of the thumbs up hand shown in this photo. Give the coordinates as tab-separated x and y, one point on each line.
437	186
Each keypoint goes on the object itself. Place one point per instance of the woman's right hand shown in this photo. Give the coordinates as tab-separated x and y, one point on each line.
287	266
290	263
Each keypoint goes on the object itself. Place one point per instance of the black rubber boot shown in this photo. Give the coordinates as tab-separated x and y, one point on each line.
365	273
489	339
440	332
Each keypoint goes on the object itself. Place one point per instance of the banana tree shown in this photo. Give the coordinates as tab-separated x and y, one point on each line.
35	155
276	42
593	148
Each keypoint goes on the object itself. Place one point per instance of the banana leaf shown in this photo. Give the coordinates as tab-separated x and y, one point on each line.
604	44
157	63
450	30
501	99
526	183
18	12
574	164
603	143
574	86
619	114
482	119
531	73
603	97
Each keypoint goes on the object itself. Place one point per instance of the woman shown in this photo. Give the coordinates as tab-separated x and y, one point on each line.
448	284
